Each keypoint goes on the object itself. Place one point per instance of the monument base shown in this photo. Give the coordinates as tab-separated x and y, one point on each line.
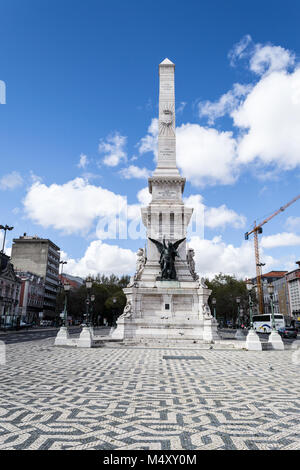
166	310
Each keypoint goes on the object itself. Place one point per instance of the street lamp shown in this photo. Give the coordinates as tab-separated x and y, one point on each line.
88	285
214	302
62	266
270	288
249	285
238	301
5	228
252	341
114	312
62	336
239	334
67	287
92	307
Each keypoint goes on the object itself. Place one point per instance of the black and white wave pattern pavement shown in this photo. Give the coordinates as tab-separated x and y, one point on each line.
118	398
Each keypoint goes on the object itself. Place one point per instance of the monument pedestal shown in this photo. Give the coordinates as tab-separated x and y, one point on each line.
86	338
169	310
62	337
276	341
253	342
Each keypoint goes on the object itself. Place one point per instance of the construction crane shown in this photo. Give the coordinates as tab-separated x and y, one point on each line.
257	229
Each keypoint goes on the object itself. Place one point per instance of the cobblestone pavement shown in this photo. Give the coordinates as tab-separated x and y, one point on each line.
135	398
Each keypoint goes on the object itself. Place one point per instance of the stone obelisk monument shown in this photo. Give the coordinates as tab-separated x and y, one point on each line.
165	299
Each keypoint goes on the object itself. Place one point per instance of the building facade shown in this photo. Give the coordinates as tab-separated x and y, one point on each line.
10	287
31	297
293	282
280	296
39	256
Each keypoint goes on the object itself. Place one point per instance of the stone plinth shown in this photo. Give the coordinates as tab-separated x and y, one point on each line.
253	342
276	341
86	338
62	337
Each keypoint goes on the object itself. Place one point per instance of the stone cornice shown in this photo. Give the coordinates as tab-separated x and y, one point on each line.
162	180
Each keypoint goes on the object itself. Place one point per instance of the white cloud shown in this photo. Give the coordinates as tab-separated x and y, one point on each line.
135	172
215	256
280	239
181	107
215	217
102	258
293	223
269	121
11	181
269	58
149	143
83	161
71	207
239	50
144	197
35	178
227	103
221	216
206	156
113	149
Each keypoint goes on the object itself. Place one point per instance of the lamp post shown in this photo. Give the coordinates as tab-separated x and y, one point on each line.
88	284
114	312
238	301
250	286
214	302
62	266
92	308
252	341
86	337
271	294
5	228
67	287
62	337
274	339
239	334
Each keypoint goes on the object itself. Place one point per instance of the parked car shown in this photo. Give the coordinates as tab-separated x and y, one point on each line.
288	332
24	324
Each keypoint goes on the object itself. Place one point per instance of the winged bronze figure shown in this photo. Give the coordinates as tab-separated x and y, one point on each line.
168	253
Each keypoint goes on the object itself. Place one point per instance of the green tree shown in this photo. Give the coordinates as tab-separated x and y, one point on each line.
104	288
225	289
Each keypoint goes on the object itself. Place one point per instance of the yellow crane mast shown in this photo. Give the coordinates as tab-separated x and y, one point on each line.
257	229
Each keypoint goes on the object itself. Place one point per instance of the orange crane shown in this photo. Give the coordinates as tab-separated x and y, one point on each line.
257	229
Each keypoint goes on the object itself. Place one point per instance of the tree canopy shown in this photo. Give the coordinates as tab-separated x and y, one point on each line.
226	289
105	289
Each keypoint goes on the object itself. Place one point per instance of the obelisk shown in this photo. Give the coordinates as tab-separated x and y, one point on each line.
166	162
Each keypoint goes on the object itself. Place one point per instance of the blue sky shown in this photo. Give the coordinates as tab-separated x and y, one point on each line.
82	83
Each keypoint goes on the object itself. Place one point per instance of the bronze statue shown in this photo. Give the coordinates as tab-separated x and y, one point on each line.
168	254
